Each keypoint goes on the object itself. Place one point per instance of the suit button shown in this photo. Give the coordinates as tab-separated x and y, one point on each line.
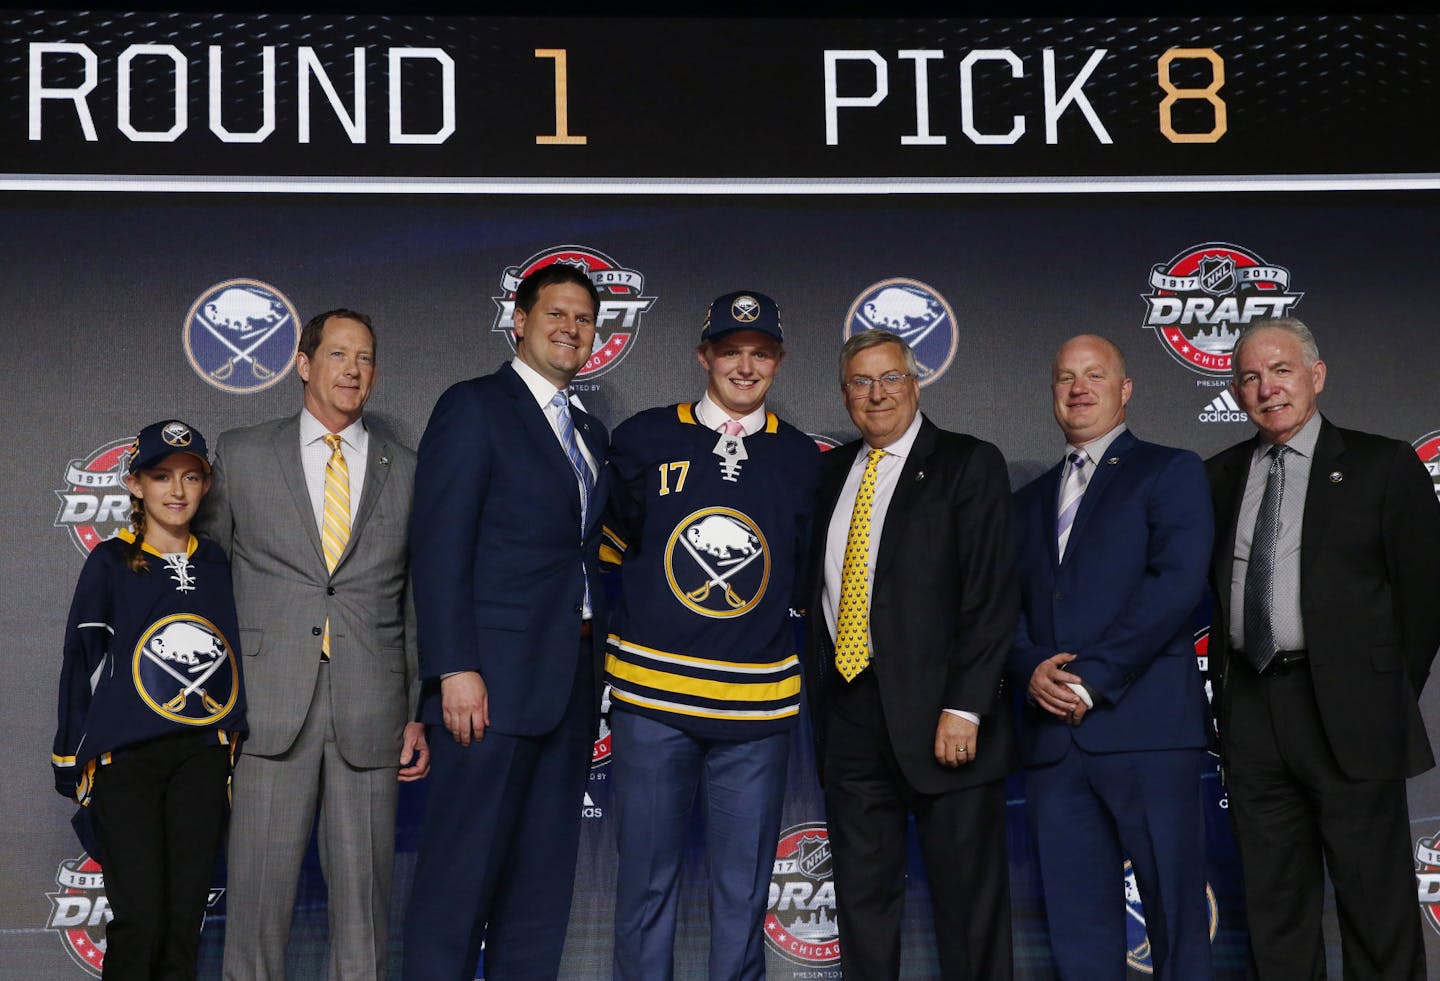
316	631
329	590
1059	595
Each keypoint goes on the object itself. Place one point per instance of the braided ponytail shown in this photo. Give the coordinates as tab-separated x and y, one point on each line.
135	554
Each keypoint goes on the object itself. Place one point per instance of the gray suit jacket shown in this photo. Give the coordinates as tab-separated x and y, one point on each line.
259	511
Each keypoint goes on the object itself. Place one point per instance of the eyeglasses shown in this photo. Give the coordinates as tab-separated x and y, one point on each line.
859	385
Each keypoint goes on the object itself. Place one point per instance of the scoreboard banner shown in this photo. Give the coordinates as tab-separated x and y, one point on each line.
680	100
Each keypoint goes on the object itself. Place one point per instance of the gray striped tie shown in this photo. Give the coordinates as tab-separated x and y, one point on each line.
1260	573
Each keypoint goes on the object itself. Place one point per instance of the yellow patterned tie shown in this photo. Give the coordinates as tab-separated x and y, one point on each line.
335	529
852	618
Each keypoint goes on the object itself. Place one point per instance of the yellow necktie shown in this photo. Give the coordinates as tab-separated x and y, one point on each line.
852	618
335	529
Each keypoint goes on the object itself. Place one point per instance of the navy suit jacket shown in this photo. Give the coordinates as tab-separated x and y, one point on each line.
497	548
1134	571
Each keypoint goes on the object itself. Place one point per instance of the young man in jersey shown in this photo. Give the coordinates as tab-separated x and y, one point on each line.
708	517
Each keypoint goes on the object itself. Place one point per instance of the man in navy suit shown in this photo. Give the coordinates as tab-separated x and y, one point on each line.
1113	547
509	489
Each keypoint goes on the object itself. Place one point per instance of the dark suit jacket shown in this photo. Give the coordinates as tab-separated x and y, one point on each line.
259	511
942	606
1121	601
496	551
1369	593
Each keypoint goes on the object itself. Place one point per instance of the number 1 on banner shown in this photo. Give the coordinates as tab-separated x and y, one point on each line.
561	136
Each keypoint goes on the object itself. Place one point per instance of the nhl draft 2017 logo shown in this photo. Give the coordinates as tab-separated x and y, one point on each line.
915	311
718	563
241	335
79	912
622	302
184	670
1427	878
1137	941
1200	299
800	920
1427	447
94	503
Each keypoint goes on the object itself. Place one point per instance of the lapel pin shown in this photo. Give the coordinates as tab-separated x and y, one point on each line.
384	461
1112	461
1336	476
919	476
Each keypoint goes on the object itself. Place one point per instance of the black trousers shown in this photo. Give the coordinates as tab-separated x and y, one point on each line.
159	812
1291	805
962	841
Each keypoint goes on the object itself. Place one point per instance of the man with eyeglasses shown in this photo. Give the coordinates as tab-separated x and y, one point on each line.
708	522
913	603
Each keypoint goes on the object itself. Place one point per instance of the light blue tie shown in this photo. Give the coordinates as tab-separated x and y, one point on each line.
572	450
582	470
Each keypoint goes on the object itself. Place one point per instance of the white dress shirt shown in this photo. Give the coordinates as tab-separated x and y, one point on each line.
315	455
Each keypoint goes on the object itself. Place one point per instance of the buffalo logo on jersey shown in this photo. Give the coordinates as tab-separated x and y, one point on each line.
1137	956
800	920
184	669
94	503
241	336
1201	298
622	302
1427	447
916	312
718	563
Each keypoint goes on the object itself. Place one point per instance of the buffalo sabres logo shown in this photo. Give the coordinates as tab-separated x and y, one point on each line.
1137	940
185	670
176	434
745	309
914	311
718	563
241	335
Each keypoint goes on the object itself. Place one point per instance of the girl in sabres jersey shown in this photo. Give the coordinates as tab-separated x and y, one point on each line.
151	709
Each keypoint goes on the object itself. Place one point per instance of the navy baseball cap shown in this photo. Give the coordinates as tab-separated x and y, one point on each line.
160	439
742	310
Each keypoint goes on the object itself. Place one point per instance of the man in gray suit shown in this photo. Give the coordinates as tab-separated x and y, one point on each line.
313	511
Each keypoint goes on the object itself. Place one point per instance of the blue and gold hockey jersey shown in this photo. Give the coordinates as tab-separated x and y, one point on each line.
146	654
709	532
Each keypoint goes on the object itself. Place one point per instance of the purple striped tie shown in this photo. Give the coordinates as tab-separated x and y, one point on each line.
1072	489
